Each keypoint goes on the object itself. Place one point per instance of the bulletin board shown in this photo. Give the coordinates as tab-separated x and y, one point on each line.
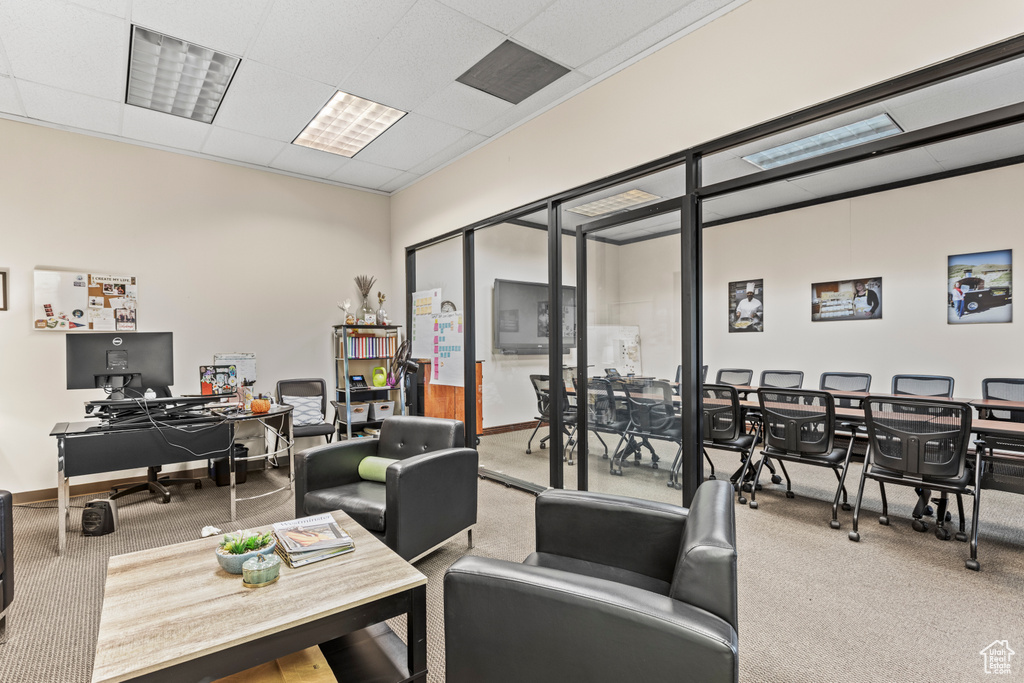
425	306
447	359
614	346
79	302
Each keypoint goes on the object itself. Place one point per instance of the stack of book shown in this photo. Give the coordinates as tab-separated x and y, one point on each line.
311	539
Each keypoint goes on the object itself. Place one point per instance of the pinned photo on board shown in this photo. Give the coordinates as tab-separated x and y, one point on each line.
979	289
847	300
746	306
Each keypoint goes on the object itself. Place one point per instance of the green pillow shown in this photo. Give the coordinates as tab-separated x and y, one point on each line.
372	468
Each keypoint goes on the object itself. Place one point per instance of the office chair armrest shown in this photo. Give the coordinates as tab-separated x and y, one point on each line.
334	464
629	533
7	546
430	498
508	622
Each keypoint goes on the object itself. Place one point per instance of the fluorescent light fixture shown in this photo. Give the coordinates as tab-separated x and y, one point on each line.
346	124
616	202
173	76
875	128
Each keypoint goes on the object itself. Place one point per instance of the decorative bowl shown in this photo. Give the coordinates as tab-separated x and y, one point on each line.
232	564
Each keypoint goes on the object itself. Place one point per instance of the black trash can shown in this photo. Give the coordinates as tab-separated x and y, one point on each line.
218	467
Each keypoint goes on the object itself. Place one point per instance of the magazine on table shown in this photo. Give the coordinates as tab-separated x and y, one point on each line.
319	532
299	559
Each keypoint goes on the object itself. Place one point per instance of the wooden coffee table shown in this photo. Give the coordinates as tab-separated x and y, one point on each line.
172	614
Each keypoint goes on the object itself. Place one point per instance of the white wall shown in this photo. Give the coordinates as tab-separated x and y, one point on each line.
228	259
764	59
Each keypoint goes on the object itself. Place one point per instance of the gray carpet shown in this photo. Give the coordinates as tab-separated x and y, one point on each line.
898	606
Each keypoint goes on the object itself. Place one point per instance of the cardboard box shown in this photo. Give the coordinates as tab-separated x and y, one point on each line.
360	412
381	410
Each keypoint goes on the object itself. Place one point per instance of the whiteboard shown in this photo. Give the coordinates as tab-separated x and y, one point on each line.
614	346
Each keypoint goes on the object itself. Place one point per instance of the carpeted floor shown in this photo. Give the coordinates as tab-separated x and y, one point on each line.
898	606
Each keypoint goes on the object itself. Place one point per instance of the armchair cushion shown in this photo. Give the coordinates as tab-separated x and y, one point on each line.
364	501
372	468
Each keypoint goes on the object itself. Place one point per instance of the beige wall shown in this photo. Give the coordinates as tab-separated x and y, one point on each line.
228	259
762	60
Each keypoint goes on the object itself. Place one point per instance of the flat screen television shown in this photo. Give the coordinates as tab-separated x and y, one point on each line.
120	360
522	322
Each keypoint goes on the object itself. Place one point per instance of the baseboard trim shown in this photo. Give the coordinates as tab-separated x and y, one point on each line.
44	495
511	482
502	429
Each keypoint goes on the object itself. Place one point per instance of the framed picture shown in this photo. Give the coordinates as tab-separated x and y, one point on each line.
979	288
746	306
3	290
847	300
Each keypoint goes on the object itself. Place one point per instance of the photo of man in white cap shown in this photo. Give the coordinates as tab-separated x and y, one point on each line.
748	314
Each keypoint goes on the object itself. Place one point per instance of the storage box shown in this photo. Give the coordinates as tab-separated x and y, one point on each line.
381	410
360	412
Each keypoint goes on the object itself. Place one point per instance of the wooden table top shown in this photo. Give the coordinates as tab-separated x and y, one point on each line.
173	604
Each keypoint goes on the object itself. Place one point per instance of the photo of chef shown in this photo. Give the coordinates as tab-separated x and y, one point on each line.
979	288
746	306
847	300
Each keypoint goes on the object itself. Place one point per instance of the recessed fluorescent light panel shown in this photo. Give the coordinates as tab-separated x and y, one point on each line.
173	76
346	124
617	202
875	128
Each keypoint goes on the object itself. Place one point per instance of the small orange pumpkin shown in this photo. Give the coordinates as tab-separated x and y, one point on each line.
260	405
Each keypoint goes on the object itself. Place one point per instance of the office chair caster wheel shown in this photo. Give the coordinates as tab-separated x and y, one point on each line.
847	507
199	484
654	465
748	487
973	565
834	524
949	517
543	445
919	526
711	477
790	494
757	487
753	505
884	521
776	479
942	533
743	500
165	499
961	536
528	451
854	536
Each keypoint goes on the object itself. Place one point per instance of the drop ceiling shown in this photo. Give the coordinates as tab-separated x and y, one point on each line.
64	64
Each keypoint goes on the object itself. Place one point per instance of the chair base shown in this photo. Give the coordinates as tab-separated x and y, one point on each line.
154	484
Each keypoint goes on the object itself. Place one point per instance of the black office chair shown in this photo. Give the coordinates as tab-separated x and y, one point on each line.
917	442
1003	389
679	377
604	413
651	416
723	423
542	388
845	381
154	482
308	398
782	379
799	426
932	386
734	377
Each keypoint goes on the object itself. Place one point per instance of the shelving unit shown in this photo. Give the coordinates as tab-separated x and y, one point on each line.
358	349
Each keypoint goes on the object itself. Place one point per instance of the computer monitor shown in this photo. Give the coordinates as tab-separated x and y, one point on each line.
120	360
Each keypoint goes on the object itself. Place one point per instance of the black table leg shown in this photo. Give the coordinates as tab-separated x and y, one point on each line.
416	632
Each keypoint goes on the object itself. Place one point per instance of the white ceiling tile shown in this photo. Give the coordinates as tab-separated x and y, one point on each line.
9	97
70	109
573	32
876	171
118	8
5	68
345	33
1001	143
725	166
222	25
461	146
463	107
163	129
271	103
363	174
66	46
676	26
501	15
399	182
430	47
973	96
534	103
230	144
311	162
756	199
412	140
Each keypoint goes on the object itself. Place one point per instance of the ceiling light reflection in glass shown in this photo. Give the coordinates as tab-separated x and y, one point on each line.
623	200
875	128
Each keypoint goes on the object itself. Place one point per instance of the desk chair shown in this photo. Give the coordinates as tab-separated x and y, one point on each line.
1004	389
782	379
734	377
679	377
542	389
799	427
917	441
6	559
605	415
723	424
308	399
845	381
933	386
154	482
651	416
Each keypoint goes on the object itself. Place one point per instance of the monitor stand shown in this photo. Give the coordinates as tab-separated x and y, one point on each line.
115	384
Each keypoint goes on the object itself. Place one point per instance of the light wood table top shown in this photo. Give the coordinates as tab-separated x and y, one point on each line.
169	605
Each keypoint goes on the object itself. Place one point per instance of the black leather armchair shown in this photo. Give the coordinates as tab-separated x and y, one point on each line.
619	589
6	559
430	494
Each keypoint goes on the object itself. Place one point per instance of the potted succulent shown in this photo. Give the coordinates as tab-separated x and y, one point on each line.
236	548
